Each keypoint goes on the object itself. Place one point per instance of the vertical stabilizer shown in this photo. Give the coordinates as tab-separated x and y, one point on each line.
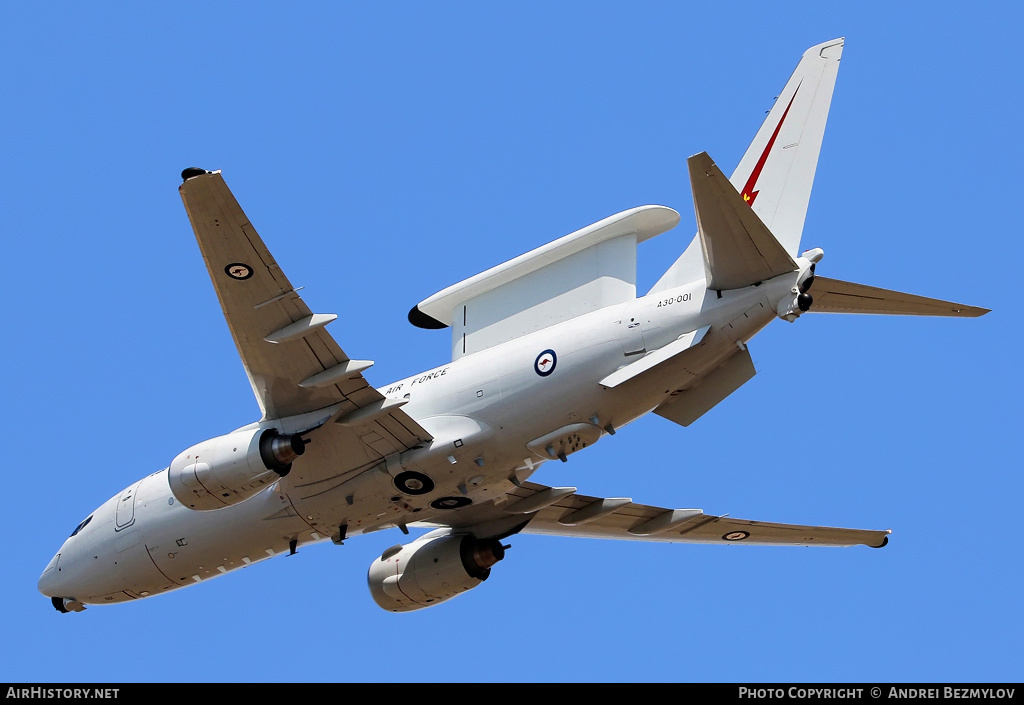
776	173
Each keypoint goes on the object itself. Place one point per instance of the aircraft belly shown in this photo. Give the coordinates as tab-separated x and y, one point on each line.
534	405
120	571
551	405
360	503
473	460
189	546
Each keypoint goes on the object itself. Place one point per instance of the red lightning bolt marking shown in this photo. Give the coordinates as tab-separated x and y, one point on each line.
749	194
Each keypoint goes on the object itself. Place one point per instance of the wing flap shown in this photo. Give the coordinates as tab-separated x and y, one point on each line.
836	296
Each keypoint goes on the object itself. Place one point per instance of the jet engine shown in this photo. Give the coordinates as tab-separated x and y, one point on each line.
430	570
228	469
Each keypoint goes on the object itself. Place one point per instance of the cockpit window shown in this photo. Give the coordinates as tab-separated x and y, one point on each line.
82	525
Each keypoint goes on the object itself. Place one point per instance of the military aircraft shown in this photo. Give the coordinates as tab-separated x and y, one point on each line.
551	352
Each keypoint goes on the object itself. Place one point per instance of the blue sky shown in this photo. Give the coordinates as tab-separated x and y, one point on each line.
384	154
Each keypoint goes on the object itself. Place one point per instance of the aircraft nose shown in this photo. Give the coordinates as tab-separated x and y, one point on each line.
49	581
54	583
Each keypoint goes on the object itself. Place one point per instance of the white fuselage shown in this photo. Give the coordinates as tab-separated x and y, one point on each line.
143	541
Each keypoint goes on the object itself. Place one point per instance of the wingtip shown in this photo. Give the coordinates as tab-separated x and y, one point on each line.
970	311
885	541
192	172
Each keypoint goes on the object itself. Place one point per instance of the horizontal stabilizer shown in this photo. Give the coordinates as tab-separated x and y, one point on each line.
835	296
738	249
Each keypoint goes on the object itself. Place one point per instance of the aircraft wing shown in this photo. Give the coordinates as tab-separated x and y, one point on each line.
562	512
293	364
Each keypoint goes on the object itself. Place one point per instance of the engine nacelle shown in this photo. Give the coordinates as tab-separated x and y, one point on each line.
429	571
228	469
